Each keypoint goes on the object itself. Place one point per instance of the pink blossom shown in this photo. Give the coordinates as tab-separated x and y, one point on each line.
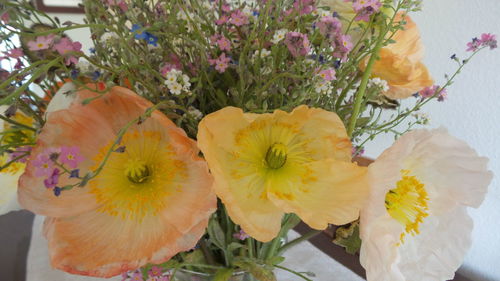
489	40
71	156
365	8
431	91
304	7
328	74
53	179
221	63
173	63
238	18
155	271
473	45
222	20
121	4
15	53
43	165
21	154
343	46
5	17
297	43
224	44
41	43
19	64
136	276
329	26
65	47
241	235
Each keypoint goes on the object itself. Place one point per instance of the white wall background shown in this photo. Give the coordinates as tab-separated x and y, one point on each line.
472	111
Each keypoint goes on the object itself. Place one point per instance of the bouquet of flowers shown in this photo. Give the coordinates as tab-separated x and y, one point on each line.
195	134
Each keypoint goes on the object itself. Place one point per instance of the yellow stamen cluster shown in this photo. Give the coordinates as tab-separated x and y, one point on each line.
408	203
137	182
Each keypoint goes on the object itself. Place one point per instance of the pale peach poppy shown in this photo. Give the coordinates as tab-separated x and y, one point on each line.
266	165
150	201
400	64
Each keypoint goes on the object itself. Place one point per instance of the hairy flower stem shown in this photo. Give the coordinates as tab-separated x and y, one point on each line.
299	240
364	82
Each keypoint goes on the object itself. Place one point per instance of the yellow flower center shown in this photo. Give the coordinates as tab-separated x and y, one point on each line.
138	182
408	203
276	156
137	171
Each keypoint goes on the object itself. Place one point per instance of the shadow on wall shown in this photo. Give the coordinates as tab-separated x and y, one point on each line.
15	233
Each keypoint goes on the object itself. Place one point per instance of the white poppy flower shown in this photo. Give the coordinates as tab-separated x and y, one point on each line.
415	226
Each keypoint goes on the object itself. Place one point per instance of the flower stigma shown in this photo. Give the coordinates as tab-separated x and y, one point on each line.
276	156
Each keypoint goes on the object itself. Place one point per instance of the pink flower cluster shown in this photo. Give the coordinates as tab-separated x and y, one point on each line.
234	17
298	44
241	235
118	3
328	74
365	8
331	28
222	42
65	47
429	92
50	164
16	54
154	274
304	7
173	63
486	40
221	63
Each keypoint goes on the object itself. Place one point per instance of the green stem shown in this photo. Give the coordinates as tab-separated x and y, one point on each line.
17	123
294	272
299	240
364	82
35	76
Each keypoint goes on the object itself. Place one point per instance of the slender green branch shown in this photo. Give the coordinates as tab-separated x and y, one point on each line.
294	272
299	240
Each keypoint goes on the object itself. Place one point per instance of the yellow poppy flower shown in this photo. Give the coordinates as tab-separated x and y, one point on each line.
265	165
10	175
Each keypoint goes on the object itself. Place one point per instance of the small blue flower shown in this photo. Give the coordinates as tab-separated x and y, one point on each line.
75	174
74	73
140	35
255	13
92	50
95	75
152	40
57	191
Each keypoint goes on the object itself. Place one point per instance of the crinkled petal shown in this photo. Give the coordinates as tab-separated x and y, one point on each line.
97	244
322	192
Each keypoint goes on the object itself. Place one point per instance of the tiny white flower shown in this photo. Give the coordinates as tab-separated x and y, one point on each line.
108	36
194	112
377	82
324	13
279	35
175	88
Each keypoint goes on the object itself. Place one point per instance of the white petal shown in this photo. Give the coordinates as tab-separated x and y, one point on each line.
63	98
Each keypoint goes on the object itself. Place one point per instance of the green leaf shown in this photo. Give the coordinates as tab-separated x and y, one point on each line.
223	274
348	237
260	272
275	260
233	246
216	234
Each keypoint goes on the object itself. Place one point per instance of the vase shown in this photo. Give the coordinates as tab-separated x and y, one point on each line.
188	275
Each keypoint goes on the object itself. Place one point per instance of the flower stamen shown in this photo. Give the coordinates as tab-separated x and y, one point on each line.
408	203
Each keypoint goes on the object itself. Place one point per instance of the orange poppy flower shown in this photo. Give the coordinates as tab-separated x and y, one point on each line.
151	200
400	64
